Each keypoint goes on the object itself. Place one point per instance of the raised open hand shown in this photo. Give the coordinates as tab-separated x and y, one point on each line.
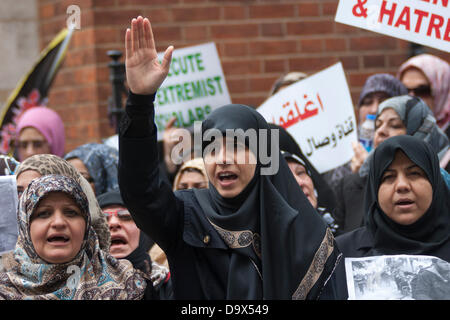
144	72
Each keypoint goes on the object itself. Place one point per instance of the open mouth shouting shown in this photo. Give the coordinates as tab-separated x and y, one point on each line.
58	239
226	178
118	241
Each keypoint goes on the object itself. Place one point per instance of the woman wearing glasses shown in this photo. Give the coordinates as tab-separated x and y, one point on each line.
128	242
428	77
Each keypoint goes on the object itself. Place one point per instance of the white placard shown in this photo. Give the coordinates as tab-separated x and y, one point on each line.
398	277
318	113
194	87
426	22
8	213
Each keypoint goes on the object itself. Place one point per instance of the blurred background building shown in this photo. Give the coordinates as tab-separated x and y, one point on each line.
257	40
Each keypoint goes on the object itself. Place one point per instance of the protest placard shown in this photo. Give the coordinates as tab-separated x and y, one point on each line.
318	113
8	213
426	22
194	87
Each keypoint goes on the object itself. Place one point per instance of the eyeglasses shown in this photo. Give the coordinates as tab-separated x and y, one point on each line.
421	91
37	144
122	214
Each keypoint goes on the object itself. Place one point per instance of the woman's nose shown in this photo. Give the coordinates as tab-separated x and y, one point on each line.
402	184
113	222
58	219
225	155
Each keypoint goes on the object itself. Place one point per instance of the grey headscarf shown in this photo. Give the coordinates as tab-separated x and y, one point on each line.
419	122
382	82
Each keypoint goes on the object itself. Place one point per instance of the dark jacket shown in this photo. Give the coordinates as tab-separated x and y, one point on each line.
349	213
197	255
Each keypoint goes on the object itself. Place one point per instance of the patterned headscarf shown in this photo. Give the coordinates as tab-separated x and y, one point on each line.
102	162
47	164
92	274
49	124
437	72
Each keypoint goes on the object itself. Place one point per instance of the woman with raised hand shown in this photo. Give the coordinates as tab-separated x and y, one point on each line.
406	205
248	236
58	254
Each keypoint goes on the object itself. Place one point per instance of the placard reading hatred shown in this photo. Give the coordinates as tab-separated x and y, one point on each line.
193	88
426	22
318	113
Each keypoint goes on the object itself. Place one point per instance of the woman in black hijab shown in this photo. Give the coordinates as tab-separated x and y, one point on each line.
404	215
326	197
263	240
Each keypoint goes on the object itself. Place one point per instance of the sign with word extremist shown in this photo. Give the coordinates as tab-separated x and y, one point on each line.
193	88
426	22
318	113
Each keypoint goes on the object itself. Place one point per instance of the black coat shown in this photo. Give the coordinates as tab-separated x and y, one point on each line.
197	255
350	209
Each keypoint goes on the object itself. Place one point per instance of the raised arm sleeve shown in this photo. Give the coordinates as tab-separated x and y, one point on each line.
150	200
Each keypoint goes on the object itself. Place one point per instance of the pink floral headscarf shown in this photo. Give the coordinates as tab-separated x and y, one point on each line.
49	124
438	73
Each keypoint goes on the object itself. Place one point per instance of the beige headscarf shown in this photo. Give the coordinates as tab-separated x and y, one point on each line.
47	164
196	163
286	80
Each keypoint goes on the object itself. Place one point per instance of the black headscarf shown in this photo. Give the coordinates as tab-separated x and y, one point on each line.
325	195
279	246
425	236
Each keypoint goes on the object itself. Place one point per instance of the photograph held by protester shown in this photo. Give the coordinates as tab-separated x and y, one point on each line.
396	116
248	236
58	253
406	205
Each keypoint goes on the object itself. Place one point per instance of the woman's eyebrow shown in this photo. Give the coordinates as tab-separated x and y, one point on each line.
413	166
389	170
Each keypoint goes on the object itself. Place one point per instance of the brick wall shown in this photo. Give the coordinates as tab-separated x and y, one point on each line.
258	40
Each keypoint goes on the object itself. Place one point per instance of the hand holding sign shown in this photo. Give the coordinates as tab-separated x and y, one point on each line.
144	72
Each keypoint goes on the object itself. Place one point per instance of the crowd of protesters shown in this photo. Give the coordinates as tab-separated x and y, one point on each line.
132	224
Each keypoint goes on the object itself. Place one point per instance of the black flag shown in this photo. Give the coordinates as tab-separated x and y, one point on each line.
32	89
